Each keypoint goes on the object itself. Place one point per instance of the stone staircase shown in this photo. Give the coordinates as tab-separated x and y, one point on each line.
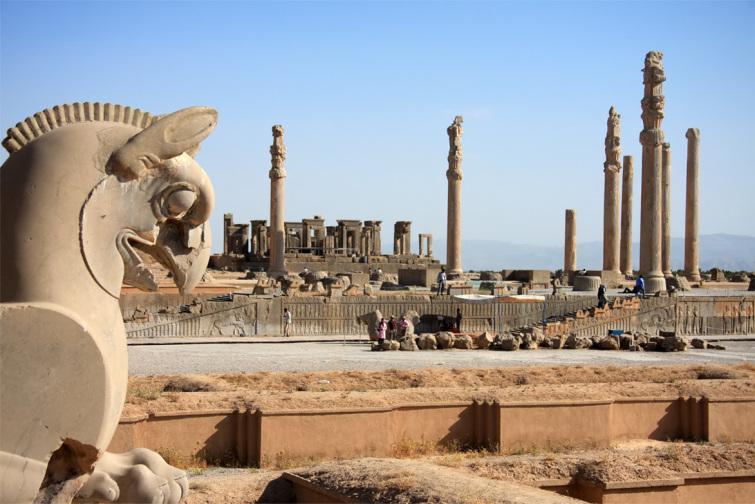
627	314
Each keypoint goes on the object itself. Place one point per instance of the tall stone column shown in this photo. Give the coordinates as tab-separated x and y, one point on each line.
651	139
454	176
570	243
691	222
666	212
276	264
611	169
625	260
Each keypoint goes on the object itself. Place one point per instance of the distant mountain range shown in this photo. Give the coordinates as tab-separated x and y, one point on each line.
730	252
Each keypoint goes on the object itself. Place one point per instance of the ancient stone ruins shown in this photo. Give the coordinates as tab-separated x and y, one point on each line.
101	202
119	180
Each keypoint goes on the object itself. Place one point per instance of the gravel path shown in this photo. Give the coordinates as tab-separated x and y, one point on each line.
224	358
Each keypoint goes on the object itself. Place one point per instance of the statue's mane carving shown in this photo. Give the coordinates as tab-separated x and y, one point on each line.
59	116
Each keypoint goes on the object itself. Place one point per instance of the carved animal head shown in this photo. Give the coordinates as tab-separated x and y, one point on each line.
166	199
140	187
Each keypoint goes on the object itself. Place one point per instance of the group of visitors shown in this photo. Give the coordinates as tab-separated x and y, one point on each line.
392	329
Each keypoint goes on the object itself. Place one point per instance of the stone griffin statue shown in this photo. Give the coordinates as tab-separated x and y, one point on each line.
86	185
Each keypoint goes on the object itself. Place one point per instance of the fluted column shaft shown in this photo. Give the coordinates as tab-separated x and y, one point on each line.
691	222
570	242
276	264
454	176
625	260
666	212
611	168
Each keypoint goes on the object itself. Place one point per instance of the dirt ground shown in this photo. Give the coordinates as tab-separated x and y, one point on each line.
470	477
649	460
336	389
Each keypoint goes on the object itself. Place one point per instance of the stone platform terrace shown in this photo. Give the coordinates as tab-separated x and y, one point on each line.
226	358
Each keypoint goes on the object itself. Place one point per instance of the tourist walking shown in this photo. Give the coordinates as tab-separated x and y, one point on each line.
458	319
441	281
287	319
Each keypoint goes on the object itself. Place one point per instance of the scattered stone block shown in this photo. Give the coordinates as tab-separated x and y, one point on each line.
427	342
626	341
407	344
463	342
484	340
445	340
674	344
717	275
679	283
509	343
493	276
608	343
574	342
584	283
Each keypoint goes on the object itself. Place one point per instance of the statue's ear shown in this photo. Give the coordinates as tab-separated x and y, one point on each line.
168	137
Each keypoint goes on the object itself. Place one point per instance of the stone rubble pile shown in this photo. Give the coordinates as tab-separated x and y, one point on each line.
532	338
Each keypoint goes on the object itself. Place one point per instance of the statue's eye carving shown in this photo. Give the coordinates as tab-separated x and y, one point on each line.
179	202
175	201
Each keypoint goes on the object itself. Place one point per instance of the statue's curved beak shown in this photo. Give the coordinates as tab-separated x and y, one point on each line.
184	249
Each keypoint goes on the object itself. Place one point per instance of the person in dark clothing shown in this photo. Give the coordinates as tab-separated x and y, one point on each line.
392	329
458	319
602	300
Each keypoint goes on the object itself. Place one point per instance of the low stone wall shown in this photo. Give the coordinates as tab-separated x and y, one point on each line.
156	315
268	438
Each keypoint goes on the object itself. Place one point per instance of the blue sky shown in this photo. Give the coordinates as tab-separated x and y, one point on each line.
366	91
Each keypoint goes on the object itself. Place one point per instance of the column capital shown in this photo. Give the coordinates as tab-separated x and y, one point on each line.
277	154
652	137
693	133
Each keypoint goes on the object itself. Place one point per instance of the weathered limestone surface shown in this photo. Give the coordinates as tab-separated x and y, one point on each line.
666	212
692	218
402	238
570	242
117	178
652	138
425	245
611	168
277	175
626	216
454	176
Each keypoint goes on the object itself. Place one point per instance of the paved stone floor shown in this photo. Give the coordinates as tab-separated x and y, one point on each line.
328	356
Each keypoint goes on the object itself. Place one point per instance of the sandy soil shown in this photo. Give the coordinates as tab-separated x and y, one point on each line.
336	389
656	461
414	482
471	477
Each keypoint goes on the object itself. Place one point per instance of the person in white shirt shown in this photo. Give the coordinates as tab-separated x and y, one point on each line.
441	281
286	322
